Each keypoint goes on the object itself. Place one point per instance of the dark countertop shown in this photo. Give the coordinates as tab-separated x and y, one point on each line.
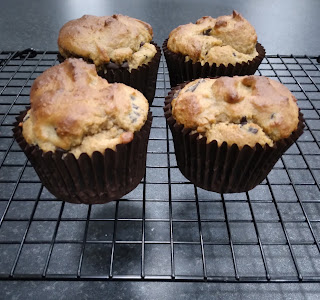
156	290
284	27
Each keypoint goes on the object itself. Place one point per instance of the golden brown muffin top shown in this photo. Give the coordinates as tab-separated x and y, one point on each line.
107	39
74	109
227	39
238	110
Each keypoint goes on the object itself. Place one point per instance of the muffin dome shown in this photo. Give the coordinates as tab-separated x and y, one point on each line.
239	110
75	110
109	39
228	133
225	40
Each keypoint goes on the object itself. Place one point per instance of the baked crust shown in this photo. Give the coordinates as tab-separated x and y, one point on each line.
238	110
225	40
106	39
75	110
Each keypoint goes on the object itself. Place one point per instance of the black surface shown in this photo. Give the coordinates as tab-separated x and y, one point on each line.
156	290
287	26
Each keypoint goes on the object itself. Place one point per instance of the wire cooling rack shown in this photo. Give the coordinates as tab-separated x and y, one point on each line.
166	229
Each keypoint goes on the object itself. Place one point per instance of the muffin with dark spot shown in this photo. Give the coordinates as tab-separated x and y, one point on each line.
225	46
229	132
86	138
120	47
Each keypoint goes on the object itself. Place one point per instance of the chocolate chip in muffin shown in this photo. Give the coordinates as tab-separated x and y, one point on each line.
135	106
107	23
207	32
253	130
243	120
133	119
235	55
135	114
141	44
272	115
133	98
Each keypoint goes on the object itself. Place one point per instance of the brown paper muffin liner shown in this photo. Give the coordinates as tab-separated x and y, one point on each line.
101	178
144	78
181	71
223	169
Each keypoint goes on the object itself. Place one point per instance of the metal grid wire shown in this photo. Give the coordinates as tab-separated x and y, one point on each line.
166	229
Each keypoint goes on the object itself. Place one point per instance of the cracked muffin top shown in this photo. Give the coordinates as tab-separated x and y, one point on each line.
238	110
110	39
225	40
75	110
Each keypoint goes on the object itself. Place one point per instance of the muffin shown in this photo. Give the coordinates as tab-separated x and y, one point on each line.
120	47
229	132
225	46
86	139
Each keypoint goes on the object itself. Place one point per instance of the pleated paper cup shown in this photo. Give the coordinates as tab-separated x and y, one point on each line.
223	169
101	178
181	71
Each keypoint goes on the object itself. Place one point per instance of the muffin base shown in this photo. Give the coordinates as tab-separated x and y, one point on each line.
223	169
144	78
101	178
181	71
